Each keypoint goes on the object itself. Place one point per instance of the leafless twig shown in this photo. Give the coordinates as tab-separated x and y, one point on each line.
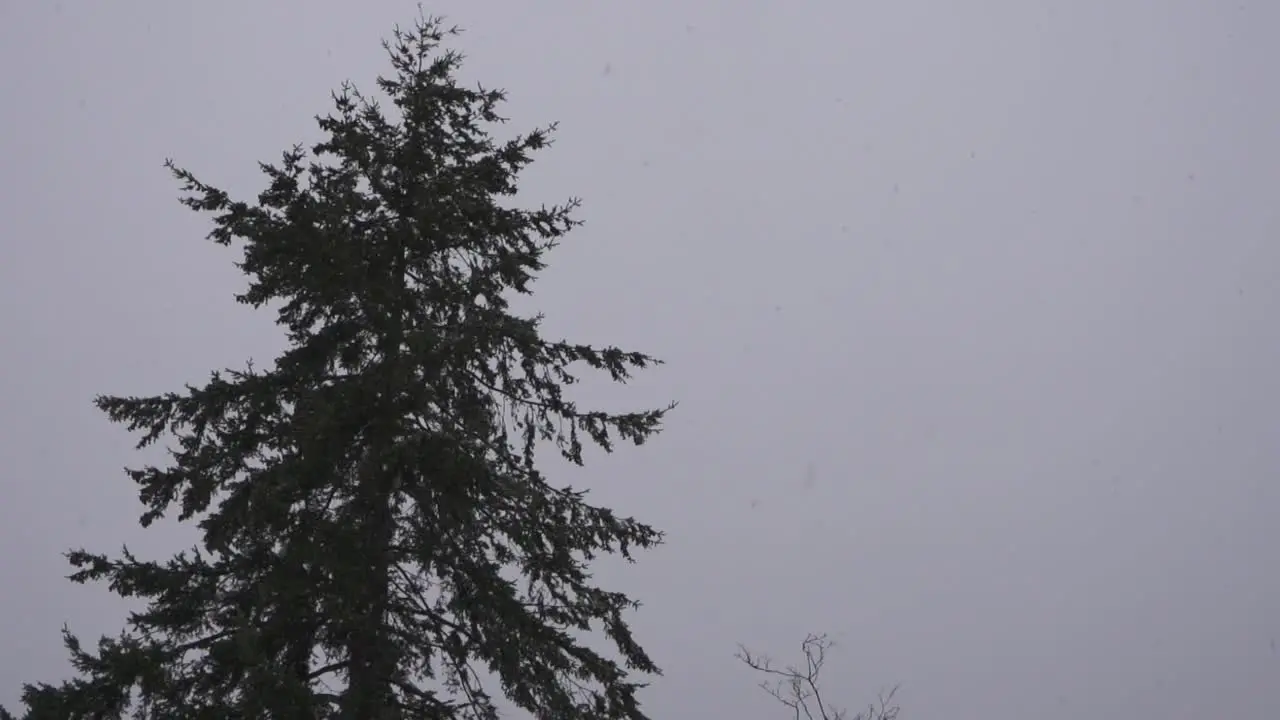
797	687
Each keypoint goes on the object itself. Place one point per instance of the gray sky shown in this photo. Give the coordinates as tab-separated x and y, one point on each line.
969	306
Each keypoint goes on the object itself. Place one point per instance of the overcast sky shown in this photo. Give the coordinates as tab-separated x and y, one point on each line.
969	306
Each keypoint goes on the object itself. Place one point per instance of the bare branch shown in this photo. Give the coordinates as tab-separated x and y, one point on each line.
797	687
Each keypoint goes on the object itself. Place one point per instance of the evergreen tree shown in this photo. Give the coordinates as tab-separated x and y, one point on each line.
374	528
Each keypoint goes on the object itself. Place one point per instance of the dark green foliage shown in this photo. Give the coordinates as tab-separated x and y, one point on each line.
366	503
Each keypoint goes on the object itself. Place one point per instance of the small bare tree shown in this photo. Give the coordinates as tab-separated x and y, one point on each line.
797	687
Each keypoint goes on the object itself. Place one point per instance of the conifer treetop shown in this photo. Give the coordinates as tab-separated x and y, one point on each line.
376	536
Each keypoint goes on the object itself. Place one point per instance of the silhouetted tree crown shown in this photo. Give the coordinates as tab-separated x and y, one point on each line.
375	531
